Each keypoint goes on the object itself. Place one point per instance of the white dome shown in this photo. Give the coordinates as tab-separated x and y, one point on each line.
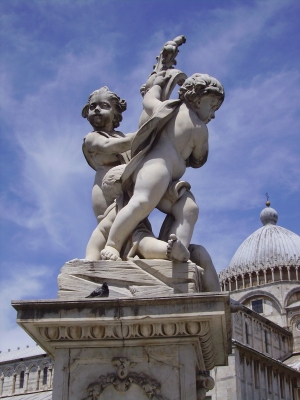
270	247
270	244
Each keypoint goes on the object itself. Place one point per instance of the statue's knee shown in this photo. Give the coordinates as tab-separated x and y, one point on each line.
141	205
192	212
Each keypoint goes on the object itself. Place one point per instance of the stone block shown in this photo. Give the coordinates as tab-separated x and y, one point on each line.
131	348
78	278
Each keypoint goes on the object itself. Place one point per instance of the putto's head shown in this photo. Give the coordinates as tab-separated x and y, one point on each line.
104	108
199	85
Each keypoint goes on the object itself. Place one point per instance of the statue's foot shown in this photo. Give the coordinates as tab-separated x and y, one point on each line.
110	253
176	251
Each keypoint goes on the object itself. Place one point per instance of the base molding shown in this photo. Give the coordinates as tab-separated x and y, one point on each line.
126	348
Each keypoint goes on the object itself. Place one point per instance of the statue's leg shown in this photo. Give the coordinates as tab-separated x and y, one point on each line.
151	183
99	236
185	212
95	245
149	247
200	256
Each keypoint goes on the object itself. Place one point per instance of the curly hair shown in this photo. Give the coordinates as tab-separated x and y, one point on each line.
199	85
119	105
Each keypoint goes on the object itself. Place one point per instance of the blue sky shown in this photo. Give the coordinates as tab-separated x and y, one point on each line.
55	53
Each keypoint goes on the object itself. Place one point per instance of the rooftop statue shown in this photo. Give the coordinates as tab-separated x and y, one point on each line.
144	169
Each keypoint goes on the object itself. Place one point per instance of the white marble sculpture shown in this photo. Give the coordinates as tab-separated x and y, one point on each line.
141	171
104	147
134	324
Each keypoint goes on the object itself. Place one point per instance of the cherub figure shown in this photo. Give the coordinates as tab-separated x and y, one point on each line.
174	137
105	147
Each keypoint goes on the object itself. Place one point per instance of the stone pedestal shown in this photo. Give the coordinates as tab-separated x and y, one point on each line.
135	278
131	348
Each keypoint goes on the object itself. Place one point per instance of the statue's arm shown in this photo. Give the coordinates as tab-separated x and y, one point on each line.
200	151
152	100
94	142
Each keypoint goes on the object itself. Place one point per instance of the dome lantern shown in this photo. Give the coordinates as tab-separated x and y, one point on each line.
269	216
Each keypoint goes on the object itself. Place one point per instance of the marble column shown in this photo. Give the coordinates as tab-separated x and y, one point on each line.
273	383
26	380
1	385
13	389
289	272
37	385
49	380
278	383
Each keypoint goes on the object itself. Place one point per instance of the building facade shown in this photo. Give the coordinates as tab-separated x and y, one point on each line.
26	374
263	276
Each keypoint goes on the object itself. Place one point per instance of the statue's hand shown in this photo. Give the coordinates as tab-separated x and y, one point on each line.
161	79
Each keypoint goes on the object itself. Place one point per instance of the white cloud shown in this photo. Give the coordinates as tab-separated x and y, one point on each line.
254	142
251	142
53	172
21	282
227	35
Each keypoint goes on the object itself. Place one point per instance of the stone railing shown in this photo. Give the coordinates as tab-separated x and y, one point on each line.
244	276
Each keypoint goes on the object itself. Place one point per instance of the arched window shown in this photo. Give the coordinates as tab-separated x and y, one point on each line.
22	376
45	375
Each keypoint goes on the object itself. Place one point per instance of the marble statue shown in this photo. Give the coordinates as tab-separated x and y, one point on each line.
104	147
140	171
130	321
179	127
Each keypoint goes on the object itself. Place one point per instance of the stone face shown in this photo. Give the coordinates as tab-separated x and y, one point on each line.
131	347
78	278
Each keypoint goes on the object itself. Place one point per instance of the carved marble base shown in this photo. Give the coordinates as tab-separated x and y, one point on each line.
131	348
78	278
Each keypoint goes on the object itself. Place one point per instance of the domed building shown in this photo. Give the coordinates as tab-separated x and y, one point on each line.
264	274
263	281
